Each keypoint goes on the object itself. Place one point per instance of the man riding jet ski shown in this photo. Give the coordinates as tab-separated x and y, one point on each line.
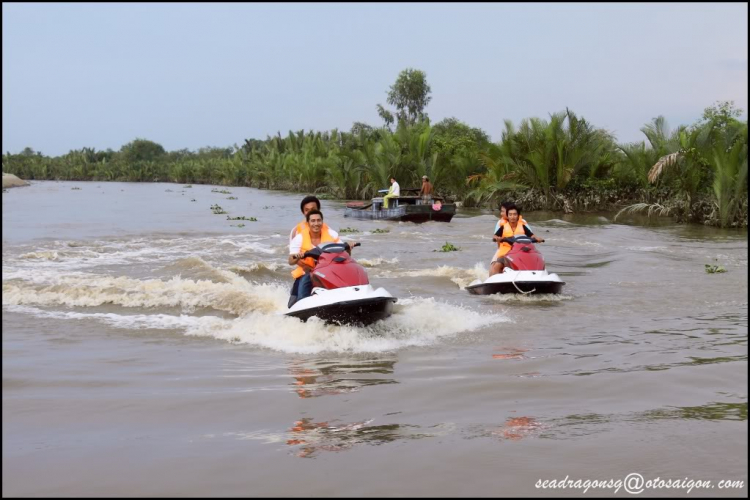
332	285
518	266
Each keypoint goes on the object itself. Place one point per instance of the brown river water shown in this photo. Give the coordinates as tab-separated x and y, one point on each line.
144	353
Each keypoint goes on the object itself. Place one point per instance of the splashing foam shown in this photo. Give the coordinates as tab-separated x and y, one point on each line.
415	322
48	255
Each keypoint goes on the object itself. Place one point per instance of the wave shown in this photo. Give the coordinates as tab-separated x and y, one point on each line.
529	298
459	276
377	261
232	294
415	322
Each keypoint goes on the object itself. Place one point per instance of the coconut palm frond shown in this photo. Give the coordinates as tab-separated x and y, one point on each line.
653	208
667	161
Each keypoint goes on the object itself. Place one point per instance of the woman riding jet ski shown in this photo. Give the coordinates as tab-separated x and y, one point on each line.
518	266
332	285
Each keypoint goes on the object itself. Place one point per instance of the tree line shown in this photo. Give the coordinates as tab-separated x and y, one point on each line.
696	172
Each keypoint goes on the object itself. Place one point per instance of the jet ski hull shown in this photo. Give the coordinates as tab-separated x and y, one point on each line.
510	287
512	281
357	305
356	312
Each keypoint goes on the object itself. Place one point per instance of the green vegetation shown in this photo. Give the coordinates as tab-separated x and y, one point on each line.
242	217
231	198
448	247
381	231
348	230
694	173
711	269
217	210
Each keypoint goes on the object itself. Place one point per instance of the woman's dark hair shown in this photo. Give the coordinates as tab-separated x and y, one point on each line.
306	200
313	212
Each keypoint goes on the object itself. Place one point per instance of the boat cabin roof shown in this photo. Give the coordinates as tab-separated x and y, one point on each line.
412	198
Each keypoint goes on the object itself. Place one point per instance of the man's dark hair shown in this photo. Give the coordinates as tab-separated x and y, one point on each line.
505	205
512	206
313	212
306	200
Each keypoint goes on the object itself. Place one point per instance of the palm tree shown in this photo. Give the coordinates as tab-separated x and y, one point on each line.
730	178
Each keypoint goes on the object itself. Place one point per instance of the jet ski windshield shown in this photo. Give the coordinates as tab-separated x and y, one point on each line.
334	247
328	248
518	239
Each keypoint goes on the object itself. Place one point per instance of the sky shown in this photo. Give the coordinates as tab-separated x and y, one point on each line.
196	75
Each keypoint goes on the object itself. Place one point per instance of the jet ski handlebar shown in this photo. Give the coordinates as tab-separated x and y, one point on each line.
329	248
517	239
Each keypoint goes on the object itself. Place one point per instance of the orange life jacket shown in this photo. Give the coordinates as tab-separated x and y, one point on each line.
307	244
299	228
509	233
504	221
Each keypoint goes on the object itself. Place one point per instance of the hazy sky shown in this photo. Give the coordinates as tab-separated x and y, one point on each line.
195	75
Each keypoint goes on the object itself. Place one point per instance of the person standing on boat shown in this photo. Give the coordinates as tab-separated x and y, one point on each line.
315	233
393	192
512	228
426	191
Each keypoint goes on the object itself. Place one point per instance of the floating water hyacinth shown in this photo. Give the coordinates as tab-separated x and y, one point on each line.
711	269
448	247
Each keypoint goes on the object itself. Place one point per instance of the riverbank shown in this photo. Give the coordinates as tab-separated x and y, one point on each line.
10	180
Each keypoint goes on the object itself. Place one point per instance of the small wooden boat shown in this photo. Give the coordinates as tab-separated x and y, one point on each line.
408	208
